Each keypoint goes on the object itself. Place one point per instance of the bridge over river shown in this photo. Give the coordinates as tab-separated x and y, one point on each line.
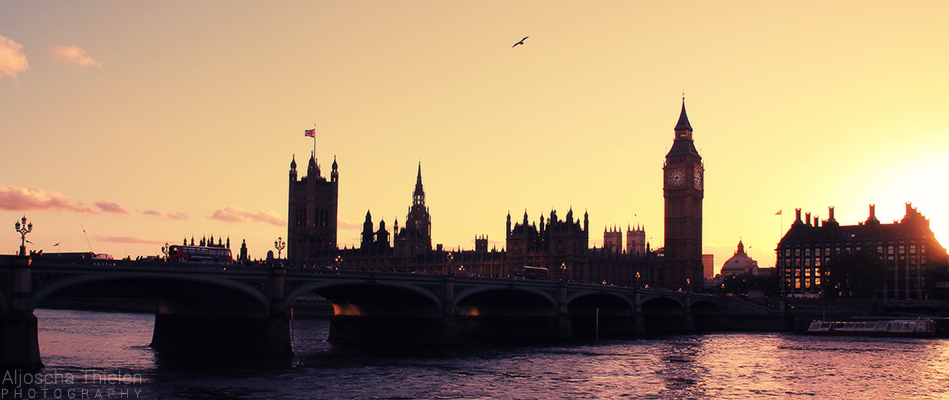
245	309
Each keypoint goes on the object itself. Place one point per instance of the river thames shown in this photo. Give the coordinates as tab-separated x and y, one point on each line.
106	355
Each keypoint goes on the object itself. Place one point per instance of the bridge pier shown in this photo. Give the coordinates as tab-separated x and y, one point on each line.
639	322
19	343
564	324
450	322
689	318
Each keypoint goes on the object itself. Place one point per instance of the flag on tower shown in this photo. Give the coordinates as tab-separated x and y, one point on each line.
779	212
310	132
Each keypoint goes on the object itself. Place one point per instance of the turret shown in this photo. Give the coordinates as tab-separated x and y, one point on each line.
293	169
508	234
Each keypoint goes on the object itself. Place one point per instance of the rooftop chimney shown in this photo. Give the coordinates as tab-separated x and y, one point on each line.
872	219
830	210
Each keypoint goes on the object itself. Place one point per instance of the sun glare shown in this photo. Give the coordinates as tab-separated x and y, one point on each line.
922	181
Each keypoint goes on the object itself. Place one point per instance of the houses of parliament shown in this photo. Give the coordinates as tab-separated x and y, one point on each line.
559	244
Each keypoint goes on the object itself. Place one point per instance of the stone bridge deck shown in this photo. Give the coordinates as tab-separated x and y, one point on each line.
237	308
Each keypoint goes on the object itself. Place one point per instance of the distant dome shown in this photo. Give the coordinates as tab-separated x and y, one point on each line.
740	263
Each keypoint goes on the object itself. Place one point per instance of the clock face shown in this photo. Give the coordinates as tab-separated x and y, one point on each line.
698	178
676	177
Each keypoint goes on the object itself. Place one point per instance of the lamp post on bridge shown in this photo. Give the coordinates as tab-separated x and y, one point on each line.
279	245
23	229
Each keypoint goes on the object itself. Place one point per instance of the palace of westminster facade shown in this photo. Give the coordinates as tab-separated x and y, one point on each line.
916	263
559	244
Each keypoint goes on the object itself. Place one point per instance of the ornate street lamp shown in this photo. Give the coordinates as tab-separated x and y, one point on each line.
23	228
164	250
279	245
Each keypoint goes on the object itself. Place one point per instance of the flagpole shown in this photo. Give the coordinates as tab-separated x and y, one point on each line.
314	140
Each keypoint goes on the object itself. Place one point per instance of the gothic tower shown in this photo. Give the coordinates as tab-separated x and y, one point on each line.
312	213
636	241
683	190
416	236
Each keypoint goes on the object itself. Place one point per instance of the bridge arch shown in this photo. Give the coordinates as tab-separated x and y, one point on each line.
601	315
708	315
505	313
148	280
465	296
329	285
605	295
665	315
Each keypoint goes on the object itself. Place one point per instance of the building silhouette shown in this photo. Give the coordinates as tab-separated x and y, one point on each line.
312	214
613	240
740	263
913	258
559	244
416	237
683	190
636	240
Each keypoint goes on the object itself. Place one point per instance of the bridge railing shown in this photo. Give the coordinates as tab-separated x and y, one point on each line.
146	264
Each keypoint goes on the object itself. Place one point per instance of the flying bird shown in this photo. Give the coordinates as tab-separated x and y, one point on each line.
521	42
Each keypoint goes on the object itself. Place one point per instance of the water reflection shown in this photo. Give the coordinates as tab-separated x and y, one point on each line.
730	366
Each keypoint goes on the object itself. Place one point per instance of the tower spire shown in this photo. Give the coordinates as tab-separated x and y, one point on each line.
419	194
683	124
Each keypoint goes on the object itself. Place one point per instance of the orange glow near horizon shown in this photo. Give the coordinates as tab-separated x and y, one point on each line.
346	309
130	125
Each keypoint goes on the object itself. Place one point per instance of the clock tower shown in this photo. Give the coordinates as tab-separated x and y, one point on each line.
683	189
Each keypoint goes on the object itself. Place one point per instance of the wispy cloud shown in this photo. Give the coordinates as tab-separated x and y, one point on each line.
111	208
164	215
72	55
238	214
12	61
341	224
19	199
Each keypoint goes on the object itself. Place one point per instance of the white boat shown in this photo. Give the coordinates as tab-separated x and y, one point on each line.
921	327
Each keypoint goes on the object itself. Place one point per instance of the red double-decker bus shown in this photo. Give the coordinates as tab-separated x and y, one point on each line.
527	272
199	254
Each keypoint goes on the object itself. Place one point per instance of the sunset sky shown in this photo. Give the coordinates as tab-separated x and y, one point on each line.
143	123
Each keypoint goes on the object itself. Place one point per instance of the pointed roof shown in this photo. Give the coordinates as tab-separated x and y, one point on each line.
683	145
683	123
418	180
